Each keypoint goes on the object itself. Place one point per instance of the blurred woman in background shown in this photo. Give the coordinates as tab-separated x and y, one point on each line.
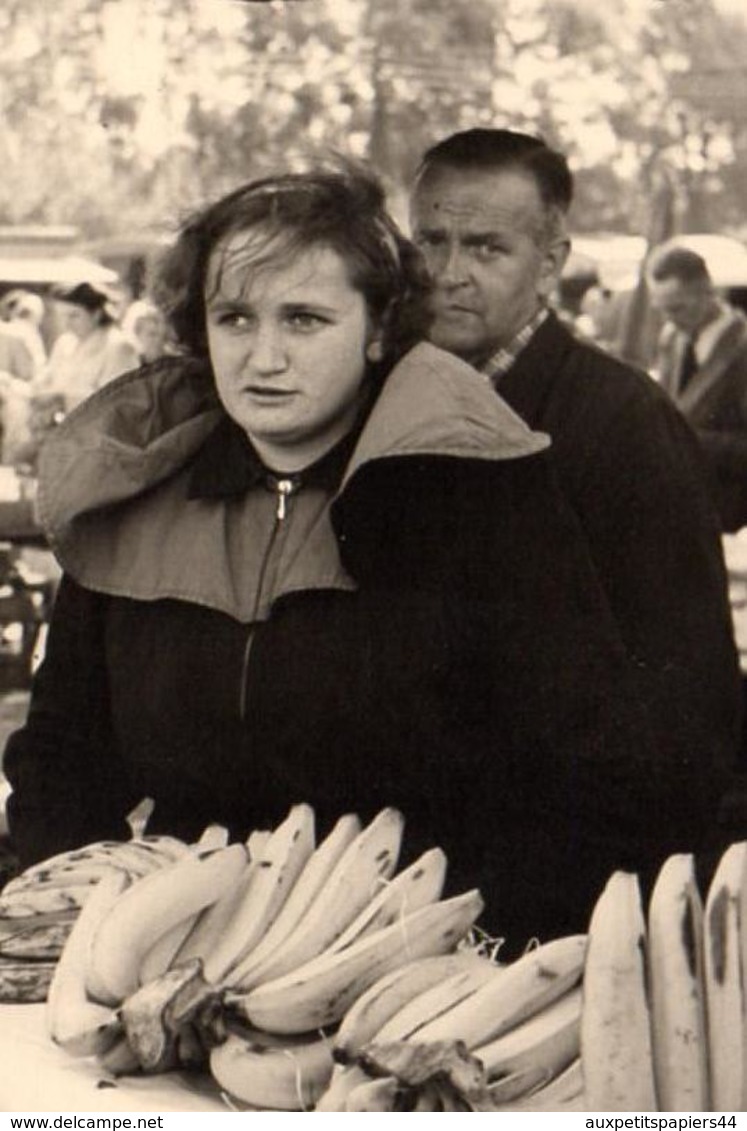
91	350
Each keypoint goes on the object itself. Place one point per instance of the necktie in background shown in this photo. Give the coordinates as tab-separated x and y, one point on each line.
689	364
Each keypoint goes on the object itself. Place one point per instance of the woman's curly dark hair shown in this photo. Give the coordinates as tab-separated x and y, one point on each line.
340	210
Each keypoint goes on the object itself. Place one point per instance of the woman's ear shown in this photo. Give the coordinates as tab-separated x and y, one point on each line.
375	349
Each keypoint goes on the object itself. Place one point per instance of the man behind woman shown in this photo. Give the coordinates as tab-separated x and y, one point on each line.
317	559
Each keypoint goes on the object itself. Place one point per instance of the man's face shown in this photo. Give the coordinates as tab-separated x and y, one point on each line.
483	237
687	304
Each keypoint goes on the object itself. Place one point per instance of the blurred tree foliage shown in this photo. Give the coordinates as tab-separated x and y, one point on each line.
124	113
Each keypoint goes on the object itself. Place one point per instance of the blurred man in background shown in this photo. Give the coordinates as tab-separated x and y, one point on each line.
702	364
489	210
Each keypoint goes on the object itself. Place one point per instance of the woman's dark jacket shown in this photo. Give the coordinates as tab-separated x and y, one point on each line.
436	640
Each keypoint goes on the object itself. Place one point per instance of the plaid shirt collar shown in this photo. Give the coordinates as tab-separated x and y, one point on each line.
501	361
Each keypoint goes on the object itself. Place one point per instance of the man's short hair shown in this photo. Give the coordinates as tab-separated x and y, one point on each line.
673	262
489	150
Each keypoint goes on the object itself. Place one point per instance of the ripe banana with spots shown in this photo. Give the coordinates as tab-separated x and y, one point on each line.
81	1026
615	1023
513	994
318	993
390	994
675	978
286	1076
273	875
316	872
44	941
349	888
148	909
724	943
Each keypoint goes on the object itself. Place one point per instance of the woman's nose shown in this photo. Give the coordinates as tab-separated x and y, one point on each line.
268	354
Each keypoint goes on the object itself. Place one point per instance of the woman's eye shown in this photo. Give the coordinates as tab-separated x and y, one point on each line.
305	320
232	319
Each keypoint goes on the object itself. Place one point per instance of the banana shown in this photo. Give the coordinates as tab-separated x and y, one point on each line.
564	1093
436	1001
37	902
319	993
212	923
725	937
513	994
675	978
414	887
518	1085
66	875
79	1025
350	887
138	817
148	909
212	837
24	982
45	941
615	1022
374	1095
165	950
317	869
256	842
341	1083
388	995
273	875
550	1040
287	1076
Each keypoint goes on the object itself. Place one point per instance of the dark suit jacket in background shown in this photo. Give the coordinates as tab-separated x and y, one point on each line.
715	404
633	472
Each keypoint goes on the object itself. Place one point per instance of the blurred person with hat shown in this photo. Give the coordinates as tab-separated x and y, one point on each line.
702	364
91	350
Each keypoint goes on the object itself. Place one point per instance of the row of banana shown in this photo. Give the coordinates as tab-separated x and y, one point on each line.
664	1023
309	974
264	944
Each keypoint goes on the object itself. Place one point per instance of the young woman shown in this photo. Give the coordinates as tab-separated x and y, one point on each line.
311	560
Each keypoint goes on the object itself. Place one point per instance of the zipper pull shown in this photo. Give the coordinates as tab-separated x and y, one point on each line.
284	488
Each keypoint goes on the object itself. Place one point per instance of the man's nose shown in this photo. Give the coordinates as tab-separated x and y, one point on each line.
268	354
450	265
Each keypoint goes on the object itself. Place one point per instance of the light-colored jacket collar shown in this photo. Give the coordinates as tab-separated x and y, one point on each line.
113	477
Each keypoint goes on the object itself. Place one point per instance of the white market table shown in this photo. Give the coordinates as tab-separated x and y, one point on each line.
37	1076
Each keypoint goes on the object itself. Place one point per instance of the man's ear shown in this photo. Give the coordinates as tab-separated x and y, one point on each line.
554	259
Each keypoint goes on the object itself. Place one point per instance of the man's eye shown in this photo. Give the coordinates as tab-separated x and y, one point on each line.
489	249
428	239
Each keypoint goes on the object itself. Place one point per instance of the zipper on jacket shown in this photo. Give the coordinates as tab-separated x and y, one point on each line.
283	489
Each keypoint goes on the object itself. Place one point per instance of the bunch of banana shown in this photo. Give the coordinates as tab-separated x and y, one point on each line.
520	1023
236	953
39	907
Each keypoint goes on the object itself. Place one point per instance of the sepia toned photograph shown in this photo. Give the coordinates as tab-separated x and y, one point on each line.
373	557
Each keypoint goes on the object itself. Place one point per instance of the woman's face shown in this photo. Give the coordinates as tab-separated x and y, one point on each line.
78	320
288	344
